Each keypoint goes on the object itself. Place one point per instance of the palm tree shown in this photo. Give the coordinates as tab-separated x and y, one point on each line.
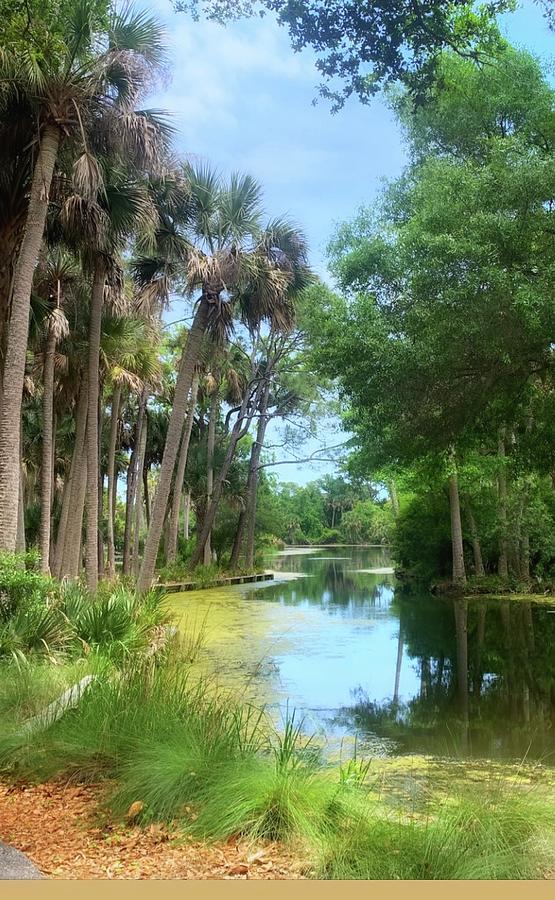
171	550
55	278
103	223
75	91
238	266
130	356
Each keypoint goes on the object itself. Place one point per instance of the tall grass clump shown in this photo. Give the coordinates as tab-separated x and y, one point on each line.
505	836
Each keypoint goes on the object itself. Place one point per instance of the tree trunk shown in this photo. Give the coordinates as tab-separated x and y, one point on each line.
68	517
180	475
146	496
112	483
525	557
186	514
95	321
20	543
47	450
393	496
53	484
210	447
171	449
238	539
476	548
18	330
133	474
459	573
239	431
100	518
74	535
137	528
129	501
138	503
252	483
502	566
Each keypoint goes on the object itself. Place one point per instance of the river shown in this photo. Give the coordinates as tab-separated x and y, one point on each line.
366	663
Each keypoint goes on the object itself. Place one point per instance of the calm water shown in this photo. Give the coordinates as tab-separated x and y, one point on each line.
356	656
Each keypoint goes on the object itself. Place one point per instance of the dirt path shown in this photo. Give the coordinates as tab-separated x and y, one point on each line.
58	828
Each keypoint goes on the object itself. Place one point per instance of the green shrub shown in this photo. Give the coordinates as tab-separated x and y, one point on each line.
41	616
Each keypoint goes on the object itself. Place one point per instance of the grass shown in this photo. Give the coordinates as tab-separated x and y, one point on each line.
190	755
214	768
471	837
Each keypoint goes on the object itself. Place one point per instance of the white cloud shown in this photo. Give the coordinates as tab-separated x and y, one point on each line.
214	68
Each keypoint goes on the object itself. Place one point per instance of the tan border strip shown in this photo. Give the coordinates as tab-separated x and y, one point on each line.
131	890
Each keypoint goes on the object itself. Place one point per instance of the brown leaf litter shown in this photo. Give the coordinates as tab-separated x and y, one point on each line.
58	827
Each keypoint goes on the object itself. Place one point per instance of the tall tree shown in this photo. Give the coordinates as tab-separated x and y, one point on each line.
72	87
240	268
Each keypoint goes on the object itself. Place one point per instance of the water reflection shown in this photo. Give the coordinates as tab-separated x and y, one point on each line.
405	673
487	680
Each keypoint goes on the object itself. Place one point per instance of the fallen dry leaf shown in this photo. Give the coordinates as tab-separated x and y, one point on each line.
240	869
135	809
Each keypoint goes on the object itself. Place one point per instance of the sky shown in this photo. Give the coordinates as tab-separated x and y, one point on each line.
242	100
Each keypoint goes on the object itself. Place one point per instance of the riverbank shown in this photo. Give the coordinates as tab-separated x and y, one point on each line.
66	829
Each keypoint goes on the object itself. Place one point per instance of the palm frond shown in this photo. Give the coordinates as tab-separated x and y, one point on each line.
87	176
57	324
137	31
240	208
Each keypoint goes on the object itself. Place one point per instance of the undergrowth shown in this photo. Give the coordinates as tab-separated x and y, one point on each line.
181	752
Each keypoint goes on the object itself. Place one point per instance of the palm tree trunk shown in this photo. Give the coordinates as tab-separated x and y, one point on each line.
74	535
459	573
252	487
68	517
91	546
180	475
476	548
116	403
133	474
210	447
129	501
138	497
186	514
20	543
137	527
18	330
146	496
100	518
47	450
171	449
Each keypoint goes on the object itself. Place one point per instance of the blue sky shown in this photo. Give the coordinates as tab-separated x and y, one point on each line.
242	99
